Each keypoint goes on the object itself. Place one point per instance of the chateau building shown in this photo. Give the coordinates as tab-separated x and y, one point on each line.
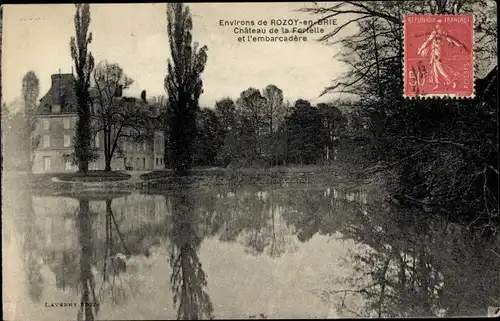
57	116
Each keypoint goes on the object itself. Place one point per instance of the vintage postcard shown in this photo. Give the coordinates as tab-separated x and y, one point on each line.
250	160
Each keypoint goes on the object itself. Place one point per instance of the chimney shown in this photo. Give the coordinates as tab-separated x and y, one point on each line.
56	89
119	91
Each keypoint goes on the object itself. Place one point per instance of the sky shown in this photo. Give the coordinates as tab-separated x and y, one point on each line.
36	37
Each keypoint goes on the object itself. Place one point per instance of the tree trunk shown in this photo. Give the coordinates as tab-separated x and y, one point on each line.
83	166
83	134
107	167
107	149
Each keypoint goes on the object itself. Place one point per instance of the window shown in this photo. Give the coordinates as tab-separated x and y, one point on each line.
156	161
68	165
46	124
144	163
67	123
144	146
97	140
161	160
67	140
46	141
46	163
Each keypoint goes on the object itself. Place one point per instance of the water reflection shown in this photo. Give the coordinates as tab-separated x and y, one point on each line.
254	218
89	305
32	262
188	280
247	252
113	260
416	266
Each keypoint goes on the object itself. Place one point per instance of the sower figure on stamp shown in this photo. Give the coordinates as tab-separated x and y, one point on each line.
437	66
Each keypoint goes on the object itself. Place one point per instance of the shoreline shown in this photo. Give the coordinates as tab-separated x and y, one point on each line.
312	176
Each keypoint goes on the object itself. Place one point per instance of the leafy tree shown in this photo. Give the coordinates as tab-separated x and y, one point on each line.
30	92
333	125
160	103
114	116
15	141
274	105
84	63
225	110
209	137
275	113
304	134
183	84
251	111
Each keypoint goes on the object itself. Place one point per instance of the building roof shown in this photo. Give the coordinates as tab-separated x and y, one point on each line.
69	103
68	96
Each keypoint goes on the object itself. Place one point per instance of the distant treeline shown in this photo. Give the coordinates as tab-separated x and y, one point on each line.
260	129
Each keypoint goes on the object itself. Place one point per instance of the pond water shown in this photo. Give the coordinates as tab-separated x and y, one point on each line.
249	252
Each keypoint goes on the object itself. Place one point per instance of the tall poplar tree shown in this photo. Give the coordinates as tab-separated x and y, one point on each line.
30	92
183	84
84	63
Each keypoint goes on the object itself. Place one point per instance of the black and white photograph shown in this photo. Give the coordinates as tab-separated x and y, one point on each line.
270	160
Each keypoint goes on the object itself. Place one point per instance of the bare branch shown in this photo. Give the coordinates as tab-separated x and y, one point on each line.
434	141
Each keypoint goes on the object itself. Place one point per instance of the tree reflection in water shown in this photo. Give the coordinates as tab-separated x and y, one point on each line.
406	264
30	238
86	287
252	217
416	265
33	262
99	259
114	261
188	280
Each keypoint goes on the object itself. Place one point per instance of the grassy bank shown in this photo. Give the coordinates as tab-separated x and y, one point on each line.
219	171
67	180
283	176
275	176
93	176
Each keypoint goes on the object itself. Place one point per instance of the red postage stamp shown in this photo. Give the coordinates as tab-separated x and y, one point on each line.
438	56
